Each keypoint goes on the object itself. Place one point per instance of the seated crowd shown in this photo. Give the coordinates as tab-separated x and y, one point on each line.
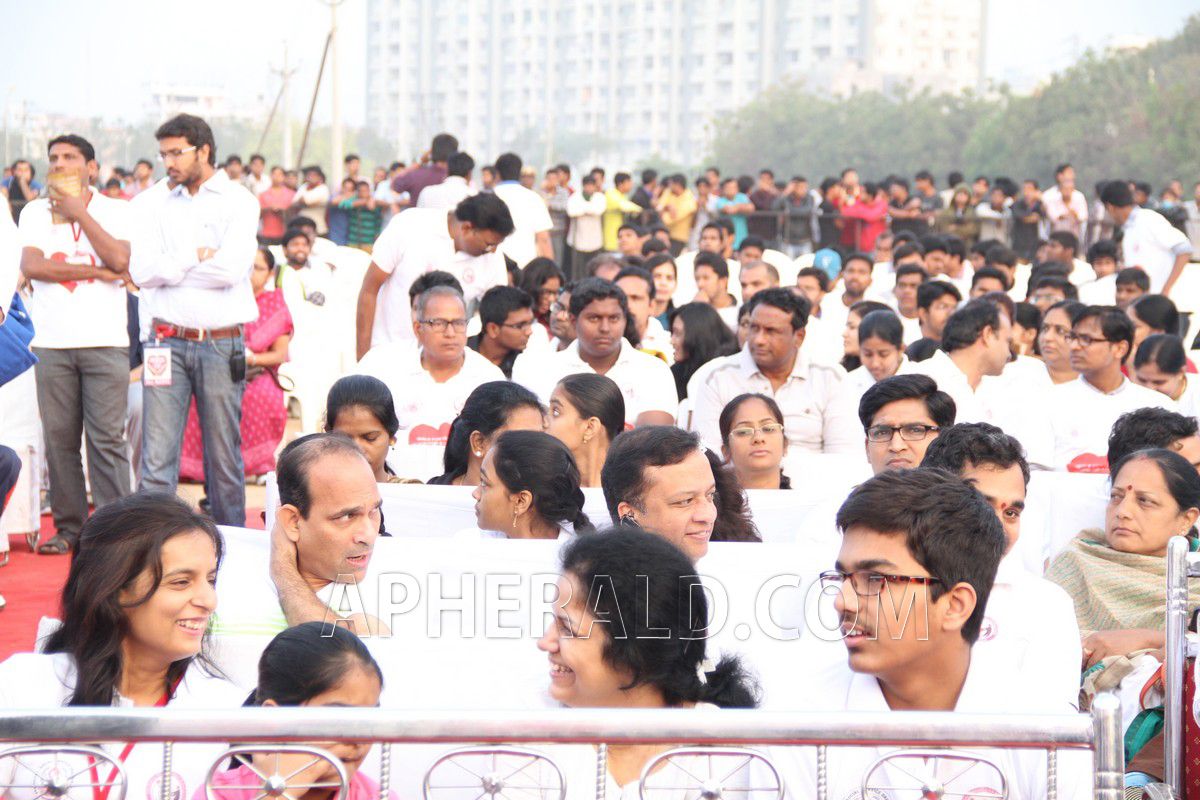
685	386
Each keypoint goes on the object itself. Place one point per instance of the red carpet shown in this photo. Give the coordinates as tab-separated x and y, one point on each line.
32	585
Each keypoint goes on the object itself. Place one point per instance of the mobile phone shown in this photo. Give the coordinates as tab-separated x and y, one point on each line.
237	366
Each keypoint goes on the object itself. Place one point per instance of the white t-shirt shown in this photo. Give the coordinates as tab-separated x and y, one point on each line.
445	195
1082	416
656	340
45	681
989	688
71	314
1100	292
425	407
645	381
823	343
417	241
530	217
1152	243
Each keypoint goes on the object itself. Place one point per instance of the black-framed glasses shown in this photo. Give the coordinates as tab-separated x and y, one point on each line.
748	431
867	583
519	326
909	433
1085	340
440	325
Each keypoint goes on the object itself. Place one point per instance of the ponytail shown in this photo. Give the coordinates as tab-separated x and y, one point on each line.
729	685
454	457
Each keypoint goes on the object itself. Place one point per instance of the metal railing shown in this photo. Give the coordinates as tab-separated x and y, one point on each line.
1181	565
1100	732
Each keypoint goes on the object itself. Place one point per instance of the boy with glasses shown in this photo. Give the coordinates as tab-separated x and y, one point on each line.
918	558
429	383
506	314
1082	411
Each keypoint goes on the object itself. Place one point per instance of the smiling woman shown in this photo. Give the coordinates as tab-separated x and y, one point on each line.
136	611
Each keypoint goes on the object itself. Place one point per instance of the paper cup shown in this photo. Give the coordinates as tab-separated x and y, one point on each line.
68	183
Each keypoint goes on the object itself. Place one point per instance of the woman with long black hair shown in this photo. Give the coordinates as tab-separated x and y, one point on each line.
136	609
698	335
491	409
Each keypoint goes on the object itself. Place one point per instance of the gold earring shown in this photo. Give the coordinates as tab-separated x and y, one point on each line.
514	525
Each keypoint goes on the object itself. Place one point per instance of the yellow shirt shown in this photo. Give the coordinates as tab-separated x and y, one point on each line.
617	206
678	212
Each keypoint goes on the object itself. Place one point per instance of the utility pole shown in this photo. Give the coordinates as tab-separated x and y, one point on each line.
336	145
285	76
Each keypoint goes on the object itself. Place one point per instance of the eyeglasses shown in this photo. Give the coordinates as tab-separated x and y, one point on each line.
869	584
171	155
520	326
439	325
1084	339
909	433
770	429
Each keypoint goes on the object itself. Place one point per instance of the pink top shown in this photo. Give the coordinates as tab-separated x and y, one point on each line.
361	787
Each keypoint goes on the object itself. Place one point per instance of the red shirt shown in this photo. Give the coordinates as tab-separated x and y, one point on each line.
864	221
272	220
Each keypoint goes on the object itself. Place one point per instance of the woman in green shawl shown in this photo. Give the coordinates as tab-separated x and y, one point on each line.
1117	576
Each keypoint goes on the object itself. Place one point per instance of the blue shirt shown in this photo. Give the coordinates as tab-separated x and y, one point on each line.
739	220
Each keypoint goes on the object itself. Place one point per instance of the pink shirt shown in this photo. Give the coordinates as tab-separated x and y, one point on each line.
361	787
272	221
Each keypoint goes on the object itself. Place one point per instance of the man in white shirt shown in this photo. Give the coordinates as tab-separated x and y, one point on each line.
77	265
257	180
1082	411
919	556
454	189
312	199
191	254
773	363
854	286
1066	207
755	276
711	273
430	383
531	218
909	278
1150	242
638	286
1030	622
462	242
901	416
600	313
585	237
1102	256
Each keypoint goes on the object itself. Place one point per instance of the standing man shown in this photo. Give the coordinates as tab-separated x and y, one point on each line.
677	207
256	180
617	205
1065	205
143	178
430	170
585	236
76	257
531	219
799	207
1150	242
274	203
462	242
312	199
454	189
192	254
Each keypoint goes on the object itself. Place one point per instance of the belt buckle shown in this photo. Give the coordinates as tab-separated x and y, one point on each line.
165	331
199	335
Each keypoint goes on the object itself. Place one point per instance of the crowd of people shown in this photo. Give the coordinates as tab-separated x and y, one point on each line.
679	345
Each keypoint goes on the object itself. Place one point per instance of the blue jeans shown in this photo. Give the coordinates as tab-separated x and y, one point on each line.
200	369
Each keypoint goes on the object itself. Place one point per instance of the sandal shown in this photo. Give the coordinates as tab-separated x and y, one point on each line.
59	545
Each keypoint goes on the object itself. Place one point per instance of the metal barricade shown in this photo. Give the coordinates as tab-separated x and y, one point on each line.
1101	732
1181	565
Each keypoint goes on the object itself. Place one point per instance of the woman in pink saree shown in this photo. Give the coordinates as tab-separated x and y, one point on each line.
264	415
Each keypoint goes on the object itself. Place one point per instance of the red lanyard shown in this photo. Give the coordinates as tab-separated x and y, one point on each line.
97	793
77	228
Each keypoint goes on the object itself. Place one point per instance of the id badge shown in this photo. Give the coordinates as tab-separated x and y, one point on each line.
156	366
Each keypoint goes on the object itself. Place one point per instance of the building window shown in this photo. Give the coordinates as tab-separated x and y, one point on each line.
822	23
820	52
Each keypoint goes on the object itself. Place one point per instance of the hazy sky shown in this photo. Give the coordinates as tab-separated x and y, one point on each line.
89	58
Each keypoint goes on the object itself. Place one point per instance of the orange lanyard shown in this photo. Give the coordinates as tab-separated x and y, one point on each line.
97	794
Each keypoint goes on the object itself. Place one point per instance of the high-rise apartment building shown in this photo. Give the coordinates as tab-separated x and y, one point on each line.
641	77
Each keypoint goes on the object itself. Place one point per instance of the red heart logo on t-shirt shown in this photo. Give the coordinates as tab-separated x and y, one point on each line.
62	258
156	364
427	434
1089	463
